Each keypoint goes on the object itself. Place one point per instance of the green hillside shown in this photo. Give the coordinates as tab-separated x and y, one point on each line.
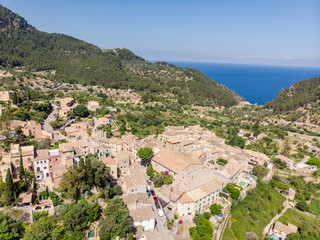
76	61
297	95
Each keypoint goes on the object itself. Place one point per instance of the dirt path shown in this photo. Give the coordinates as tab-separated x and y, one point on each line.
286	206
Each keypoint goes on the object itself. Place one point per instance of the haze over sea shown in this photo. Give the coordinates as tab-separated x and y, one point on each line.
256	83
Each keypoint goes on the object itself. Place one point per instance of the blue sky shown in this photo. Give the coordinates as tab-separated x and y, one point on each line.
285	32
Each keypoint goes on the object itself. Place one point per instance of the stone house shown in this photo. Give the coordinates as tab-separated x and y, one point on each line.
6	96
198	200
281	230
144	217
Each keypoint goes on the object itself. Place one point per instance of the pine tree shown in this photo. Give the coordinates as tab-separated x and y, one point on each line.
21	169
8	192
90	176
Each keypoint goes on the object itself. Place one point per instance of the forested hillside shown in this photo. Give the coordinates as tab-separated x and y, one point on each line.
76	61
297	95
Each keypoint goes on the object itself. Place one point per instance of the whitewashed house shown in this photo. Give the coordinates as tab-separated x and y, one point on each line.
41	164
144	217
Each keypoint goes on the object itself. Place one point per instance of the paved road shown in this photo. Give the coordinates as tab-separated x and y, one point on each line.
53	89
161	222
46	126
51	117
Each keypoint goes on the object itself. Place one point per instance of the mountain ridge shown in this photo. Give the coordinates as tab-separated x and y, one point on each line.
297	95
76	61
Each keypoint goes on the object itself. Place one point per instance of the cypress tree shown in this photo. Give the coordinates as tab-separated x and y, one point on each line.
8	190
21	169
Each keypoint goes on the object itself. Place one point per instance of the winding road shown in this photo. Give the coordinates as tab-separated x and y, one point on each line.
51	117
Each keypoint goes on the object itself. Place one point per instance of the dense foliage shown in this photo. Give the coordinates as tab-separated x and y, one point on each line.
116	221
254	212
71	220
9	229
215	208
203	229
260	171
94	173
298	95
81	111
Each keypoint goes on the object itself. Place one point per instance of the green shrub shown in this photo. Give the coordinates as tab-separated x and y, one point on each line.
145	153
204	228
314	161
54	198
207	215
260	171
44	194
222	162
215	208
314	207
303	206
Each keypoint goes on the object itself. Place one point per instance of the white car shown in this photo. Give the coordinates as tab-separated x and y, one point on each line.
160	212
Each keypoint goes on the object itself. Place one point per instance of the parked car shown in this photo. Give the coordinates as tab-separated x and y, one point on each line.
149	182
157	205
160	212
152	192
155	199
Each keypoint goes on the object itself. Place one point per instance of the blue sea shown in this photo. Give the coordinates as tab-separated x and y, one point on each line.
256	83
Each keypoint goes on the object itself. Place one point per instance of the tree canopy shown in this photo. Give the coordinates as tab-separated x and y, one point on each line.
145	153
116	221
81	111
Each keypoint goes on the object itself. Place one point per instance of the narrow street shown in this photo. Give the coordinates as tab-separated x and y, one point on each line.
51	117
95	124
161	222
